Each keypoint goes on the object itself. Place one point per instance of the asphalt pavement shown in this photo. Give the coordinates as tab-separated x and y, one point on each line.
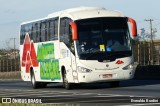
130	93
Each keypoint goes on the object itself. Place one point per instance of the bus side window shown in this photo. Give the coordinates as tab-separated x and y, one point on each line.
42	34
56	29
47	31
53	29
62	26
34	32
22	34
64	31
66	34
30	31
37	32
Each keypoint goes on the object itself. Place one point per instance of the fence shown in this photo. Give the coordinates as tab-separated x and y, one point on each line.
9	68
9	65
147	53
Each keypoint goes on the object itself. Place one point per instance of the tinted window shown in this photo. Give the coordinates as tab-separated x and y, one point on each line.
40	31
100	38
42	34
53	30
22	34
64	31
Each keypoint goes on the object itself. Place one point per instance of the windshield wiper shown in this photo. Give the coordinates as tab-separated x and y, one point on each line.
93	52
122	54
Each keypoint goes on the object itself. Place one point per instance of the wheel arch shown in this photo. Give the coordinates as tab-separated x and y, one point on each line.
63	70
31	71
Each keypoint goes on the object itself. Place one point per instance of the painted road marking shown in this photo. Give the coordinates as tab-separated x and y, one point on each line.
19	92
146	104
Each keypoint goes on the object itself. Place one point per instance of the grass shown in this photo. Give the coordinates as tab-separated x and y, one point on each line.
16	104
19	104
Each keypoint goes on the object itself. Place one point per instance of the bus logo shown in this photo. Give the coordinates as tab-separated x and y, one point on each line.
107	65
119	62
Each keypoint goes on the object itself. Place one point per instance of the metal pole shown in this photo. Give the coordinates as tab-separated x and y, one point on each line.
151	43
144	54
14	47
159	56
138	55
149	52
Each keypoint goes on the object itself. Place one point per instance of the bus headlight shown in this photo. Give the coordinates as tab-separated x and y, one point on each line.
83	70
130	66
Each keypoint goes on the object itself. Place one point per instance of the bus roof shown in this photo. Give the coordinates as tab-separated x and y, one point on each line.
82	13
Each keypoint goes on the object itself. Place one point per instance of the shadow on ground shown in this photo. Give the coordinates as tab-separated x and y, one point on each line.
93	86
151	72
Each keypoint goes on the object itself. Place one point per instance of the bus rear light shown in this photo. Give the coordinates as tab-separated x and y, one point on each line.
133	27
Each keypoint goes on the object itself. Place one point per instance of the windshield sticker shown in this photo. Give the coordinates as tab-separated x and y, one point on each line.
108	49
102	48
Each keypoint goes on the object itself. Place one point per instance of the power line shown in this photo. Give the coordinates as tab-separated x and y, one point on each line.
150	21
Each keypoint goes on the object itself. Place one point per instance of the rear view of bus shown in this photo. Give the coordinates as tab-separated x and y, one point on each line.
76	46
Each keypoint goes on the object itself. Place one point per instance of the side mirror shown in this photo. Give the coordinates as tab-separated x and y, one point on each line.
133	27
74	31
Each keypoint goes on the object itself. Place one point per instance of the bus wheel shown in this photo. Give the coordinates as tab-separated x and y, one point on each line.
65	81
114	84
33	81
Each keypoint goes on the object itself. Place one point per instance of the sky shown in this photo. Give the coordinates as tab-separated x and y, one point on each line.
14	13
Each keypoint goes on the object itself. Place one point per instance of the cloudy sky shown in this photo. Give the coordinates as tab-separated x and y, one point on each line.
14	12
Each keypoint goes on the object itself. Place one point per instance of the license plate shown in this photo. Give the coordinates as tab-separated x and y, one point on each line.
107	75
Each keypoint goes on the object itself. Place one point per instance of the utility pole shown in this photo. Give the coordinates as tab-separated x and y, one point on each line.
151	42
14	46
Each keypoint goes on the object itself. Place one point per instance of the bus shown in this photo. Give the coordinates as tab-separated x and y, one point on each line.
76	46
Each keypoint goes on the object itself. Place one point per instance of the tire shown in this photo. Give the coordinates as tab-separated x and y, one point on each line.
35	84
67	85
77	86
43	85
114	84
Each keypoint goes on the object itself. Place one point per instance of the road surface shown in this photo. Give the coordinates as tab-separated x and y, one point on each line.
130	93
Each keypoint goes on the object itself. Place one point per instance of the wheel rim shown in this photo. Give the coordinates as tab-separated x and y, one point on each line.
33	80
65	81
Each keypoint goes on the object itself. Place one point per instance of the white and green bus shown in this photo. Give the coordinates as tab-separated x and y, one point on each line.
76	46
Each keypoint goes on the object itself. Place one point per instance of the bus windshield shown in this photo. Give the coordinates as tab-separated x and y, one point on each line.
103	38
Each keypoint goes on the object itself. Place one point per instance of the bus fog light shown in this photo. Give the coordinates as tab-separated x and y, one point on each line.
83	70
130	66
